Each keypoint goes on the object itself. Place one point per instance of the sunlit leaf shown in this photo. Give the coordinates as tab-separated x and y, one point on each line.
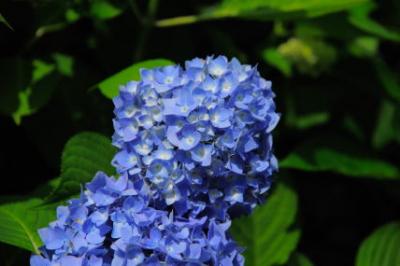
381	248
20	220
267	234
110	86
83	156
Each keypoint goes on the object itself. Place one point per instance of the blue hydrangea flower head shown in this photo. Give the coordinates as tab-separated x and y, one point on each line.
113	223
199	135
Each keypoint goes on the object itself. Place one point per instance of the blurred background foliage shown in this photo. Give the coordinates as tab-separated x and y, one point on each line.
335	67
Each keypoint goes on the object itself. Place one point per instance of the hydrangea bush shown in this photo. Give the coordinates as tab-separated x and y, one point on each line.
195	150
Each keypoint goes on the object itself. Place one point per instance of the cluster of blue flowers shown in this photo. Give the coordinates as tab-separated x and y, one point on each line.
113	223
200	136
195	150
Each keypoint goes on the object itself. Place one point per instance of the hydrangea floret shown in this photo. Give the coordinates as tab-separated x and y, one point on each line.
195	150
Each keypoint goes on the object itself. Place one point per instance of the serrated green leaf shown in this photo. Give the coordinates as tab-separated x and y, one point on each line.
359	17
84	155
266	10
266	234
381	248
19	222
318	155
110	86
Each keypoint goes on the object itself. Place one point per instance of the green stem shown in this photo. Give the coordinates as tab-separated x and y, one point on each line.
177	21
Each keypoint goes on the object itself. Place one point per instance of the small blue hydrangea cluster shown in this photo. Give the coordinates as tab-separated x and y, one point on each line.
195	150
113	223
200	136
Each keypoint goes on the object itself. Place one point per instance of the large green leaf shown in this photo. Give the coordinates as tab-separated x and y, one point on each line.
266	10
84	155
320	156
110	86
381	248
267	234
19	222
359	17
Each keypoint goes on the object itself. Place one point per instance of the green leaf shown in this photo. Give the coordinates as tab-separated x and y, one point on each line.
84	155
267	234
318	155
364	46
388	78
265	10
37	93
103	9
110	86
359	17
19	222
381	248
385	127
5	22
15	77
64	64
277	60
299	259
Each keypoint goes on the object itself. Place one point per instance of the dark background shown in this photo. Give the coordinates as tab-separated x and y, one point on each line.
336	212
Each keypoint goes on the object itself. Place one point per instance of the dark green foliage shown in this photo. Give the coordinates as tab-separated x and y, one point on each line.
334	65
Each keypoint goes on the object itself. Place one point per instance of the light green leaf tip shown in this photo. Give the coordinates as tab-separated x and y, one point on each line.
110	86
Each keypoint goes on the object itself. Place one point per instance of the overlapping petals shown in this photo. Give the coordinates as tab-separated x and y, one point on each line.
113	223
203	127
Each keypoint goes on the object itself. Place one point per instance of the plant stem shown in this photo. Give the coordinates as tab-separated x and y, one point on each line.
147	26
177	21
